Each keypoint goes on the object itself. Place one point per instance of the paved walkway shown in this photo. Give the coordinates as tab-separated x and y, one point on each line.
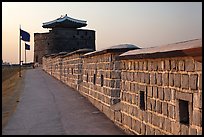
49	107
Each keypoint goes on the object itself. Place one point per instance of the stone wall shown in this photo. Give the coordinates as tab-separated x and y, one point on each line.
149	91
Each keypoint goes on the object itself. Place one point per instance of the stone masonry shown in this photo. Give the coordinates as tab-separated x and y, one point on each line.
150	91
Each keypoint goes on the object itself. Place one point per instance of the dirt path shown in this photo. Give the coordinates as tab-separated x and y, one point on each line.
11	90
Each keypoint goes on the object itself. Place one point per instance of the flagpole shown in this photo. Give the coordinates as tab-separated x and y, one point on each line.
20	53
25	54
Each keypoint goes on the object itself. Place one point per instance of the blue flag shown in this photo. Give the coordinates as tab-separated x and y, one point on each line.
27	47
25	36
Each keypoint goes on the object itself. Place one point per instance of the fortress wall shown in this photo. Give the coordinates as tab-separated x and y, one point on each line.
101	81
141	91
166	83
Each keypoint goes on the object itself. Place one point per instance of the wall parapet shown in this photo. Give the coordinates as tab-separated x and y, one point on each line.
148	91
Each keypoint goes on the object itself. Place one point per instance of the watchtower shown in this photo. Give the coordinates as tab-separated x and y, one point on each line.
64	36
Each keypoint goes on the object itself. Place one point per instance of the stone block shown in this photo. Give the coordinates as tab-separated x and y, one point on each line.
197	100
157	132
143	128
164	108
198	66
171	111
181	65
167	94
184	129
167	65
175	126
149	130
152	78
145	65
161	93
192	131
147	78
177	80
189	65
165	79
149	91
155	92
197	117
159	78
136	64
142	77
158	106
140	65
193	81
161	65
184	81
138	126
184	96
200	82
153	103
167	125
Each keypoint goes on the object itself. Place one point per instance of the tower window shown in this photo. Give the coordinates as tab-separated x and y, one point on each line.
142	100
183	112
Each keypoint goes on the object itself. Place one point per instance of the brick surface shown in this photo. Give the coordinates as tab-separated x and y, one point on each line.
159	106
155	92
197	100
161	93
167	65
165	79
184	129
198	65
152	78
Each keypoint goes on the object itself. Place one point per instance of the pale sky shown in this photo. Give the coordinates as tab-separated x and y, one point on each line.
144	24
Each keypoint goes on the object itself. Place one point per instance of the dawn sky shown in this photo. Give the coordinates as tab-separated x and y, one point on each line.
142	24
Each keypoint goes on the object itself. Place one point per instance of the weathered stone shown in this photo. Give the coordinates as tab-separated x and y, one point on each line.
193	80
152	78
197	100
177	80
192	131
175	126
200	82
181	65
184	129
140	65
165	79
198	65
147	78
167	65
159	79
173	65
197	117
161	93
167	94
143	128
155	95
189	65
184	96
158	106
149	91
171	111
184	81
171	79
164	108
167	125
145	65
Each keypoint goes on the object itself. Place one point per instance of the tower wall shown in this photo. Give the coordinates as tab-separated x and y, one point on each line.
62	40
